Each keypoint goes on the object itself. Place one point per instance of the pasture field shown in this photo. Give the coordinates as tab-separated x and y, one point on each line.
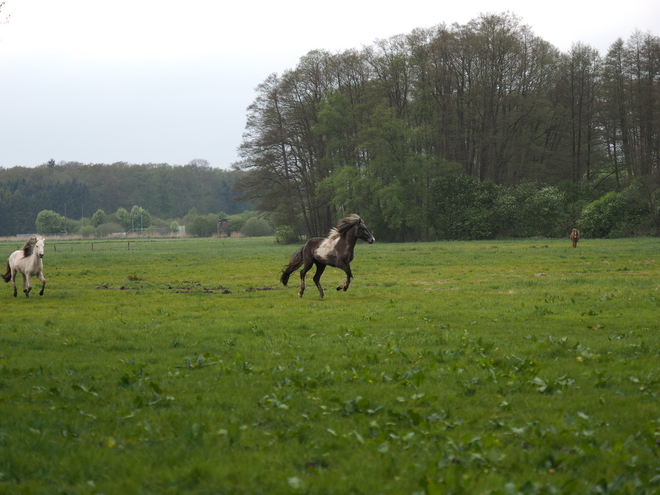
182	366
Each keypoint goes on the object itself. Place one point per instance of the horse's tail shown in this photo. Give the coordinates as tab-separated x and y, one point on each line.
6	276
294	263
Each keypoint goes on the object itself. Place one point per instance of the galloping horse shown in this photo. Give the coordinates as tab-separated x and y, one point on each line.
28	262
335	250
575	237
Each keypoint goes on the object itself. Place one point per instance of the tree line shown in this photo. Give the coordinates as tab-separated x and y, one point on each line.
461	132
73	190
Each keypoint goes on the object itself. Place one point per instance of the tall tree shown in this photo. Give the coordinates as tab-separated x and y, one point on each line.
632	97
582	69
281	148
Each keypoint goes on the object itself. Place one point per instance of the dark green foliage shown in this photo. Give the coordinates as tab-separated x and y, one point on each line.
599	218
528	211
163	190
615	215
463	207
26	192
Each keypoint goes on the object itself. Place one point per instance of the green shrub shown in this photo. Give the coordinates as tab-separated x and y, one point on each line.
123	217
286	235
235	223
202	227
50	222
613	215
87	231
98	218
256	227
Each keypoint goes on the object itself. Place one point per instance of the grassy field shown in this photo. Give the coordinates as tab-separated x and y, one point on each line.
182	366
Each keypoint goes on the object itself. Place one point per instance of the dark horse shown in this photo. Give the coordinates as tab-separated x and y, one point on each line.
335	250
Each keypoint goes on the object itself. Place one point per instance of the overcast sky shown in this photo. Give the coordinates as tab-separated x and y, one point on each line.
159	81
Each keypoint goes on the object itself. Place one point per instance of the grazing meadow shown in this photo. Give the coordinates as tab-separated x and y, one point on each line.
183	366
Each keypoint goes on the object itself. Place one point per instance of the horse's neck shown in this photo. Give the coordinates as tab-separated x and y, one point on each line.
350	241
34	261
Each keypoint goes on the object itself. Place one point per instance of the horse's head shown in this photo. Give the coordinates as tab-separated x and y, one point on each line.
356	226
39	249
364	233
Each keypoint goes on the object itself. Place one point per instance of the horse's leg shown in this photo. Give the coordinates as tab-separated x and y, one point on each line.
303	272
320	268
13	280
349	277
27	285
43	283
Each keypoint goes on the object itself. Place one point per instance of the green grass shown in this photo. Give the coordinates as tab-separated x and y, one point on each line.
182	366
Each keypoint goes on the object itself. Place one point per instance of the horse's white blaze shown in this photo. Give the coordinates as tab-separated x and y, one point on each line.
39	248
325	248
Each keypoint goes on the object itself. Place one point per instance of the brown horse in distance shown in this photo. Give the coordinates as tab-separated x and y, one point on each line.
575	237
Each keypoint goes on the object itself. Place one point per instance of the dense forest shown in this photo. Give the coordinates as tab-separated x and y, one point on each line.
466	131
77	191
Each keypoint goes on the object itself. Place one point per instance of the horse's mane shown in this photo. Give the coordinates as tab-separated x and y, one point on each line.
344	225
28	249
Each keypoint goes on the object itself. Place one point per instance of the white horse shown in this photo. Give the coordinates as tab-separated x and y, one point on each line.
27	261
